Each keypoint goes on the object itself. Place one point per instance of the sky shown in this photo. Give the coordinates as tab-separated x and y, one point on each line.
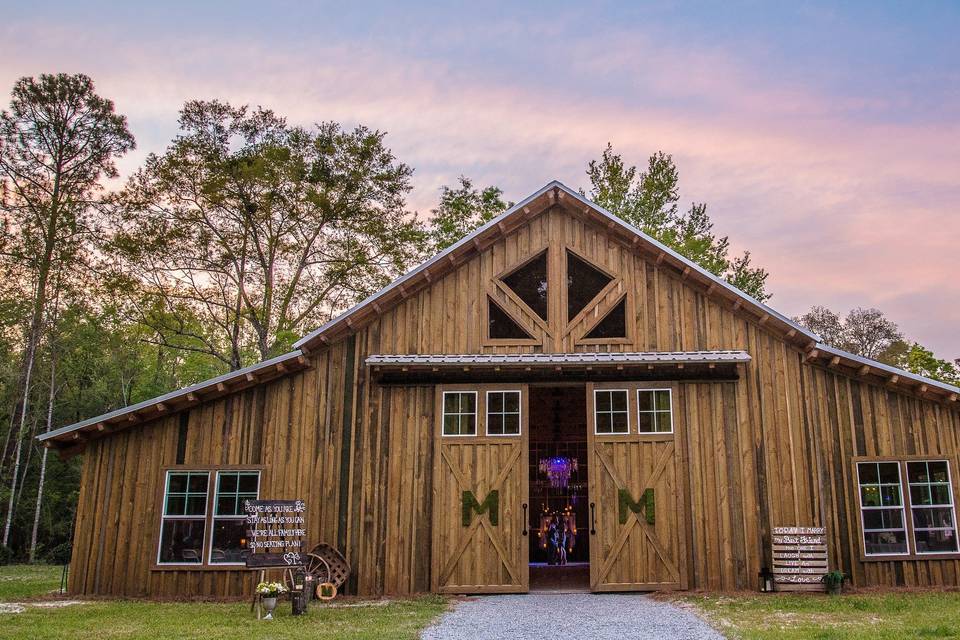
824	139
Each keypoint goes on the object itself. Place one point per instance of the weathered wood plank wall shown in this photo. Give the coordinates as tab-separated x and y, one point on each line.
772	449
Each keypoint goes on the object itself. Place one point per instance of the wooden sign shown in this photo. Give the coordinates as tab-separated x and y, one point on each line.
799	558
275	531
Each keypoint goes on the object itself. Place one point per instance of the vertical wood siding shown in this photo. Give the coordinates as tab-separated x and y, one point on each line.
774	448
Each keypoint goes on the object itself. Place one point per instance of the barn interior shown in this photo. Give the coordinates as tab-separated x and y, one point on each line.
559	502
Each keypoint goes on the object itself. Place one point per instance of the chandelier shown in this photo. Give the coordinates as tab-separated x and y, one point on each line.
558	470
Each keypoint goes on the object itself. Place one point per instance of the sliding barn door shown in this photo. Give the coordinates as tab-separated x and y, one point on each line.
636	541
480	488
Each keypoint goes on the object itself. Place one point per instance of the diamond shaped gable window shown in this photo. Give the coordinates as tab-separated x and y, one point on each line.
502	326
613	325
529	282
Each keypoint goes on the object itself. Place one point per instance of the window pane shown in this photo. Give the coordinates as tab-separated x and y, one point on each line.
229	542
664	421
663	401
584	282
177	482
878	543
495	424
495	402
198	482
502	326
451	425
468	403
603	400
620	423
619	400
646	422
175	505
882	519
529	282
511	424
645	400
935	541
451	402
604	423
868	473
613	325
182	541
938	471
890	495
870	496
940	494
933	518
227	482
196	505
917	471
511	402
227	505
889	472
920	494
248	482
468	425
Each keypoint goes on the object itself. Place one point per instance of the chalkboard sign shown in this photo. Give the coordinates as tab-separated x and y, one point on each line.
276	530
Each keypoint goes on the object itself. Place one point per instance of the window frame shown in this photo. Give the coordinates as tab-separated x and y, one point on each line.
907	506
903	509
160	497
952	506
213	512
476	413
596	412
518	413
669	391
165	485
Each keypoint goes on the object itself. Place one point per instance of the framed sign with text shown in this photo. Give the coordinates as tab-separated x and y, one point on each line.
276	530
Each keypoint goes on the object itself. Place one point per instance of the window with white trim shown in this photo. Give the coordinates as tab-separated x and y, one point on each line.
881	509
610	409
459	413
228	544
931	504
503	413
184	521
655	410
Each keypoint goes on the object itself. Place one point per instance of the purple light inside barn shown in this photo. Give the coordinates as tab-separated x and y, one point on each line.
558	470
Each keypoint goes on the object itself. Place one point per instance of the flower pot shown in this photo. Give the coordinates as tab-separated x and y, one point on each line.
269	604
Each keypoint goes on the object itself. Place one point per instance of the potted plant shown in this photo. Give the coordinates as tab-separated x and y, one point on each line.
834	581
269	592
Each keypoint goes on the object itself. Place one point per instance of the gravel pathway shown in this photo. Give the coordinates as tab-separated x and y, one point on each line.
577	615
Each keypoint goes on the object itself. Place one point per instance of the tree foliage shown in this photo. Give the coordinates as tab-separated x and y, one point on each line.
462	210
649	200
864	332
247	231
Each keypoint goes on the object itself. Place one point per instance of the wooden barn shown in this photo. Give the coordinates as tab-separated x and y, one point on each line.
555	399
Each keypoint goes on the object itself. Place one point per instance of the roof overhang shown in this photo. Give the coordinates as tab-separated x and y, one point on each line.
537	367
72	438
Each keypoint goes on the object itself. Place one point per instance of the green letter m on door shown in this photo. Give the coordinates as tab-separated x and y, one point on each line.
646	505
491	506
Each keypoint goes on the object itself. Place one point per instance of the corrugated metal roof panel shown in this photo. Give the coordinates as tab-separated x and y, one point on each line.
529	359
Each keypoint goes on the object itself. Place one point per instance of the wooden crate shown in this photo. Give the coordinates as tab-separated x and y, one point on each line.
799	558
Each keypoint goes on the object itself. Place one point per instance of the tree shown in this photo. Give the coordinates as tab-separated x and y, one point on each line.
648	200
246	230
920	360
57	141
461	210
864	332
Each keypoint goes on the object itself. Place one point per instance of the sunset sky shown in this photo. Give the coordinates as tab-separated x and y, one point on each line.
826	141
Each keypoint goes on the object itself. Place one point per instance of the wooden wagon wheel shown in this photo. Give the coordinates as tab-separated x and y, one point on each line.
315	566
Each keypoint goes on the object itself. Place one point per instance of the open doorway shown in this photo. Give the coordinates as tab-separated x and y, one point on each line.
559	501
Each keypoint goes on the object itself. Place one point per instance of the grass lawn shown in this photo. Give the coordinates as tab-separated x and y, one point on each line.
38	617
891	615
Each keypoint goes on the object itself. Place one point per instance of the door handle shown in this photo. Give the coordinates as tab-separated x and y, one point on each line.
593	518
524	518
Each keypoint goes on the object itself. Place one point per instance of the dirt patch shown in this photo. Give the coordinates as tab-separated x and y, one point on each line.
20	607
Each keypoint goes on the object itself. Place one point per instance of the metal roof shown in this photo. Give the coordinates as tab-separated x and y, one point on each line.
532	359
173	396
515	210
894	371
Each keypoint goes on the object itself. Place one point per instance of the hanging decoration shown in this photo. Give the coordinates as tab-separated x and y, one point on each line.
558	470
